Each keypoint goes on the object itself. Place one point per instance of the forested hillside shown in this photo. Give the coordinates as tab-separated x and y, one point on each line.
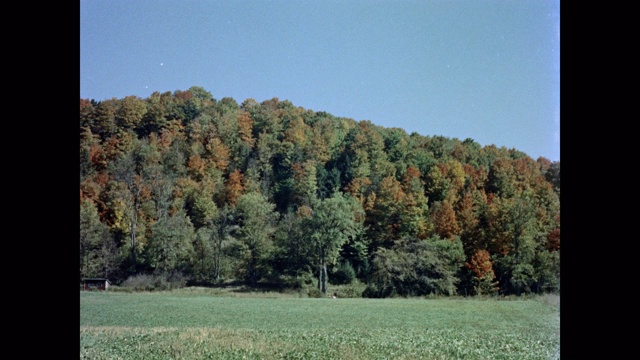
216	191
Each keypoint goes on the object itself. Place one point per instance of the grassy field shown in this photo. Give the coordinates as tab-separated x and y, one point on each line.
206	324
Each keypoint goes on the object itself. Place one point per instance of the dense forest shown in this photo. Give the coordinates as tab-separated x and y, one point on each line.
269	193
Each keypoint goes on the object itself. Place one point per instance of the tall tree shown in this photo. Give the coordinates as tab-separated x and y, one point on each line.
91	234
203	254
128	172
305	186
104	123
130	113
333	222
234	186
444	219
155	118
245	128
513	233
222	226
170	247
553	176
293	255
87	113
383	220
257	219
414	209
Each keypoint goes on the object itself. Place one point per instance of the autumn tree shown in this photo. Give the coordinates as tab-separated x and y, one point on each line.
142	162
305	182
553	240
128	173
384	219
444	219
234	186
484	277
470	215
297	131
414	209
129	114
87	113
245	128
445	181
513	234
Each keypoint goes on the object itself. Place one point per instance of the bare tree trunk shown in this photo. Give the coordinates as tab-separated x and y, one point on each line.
216	263
324	278
320	273
134	223
133	244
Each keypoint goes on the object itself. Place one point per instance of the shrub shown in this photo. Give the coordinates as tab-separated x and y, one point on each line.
315	293
344	274
353	290
162	281
373	291
298	282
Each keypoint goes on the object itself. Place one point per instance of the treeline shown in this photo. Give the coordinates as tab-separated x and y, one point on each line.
270	193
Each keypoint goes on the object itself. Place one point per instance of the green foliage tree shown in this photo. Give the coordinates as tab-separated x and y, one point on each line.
333	222
203	257
170	245
96	249
293	256
553	176
104	123
415	267
201	208
131	192
155	118
257	219
546	266
222	226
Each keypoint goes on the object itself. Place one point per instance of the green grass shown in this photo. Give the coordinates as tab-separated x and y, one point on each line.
218	324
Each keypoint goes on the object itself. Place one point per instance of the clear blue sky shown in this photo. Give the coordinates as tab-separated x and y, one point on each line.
486	70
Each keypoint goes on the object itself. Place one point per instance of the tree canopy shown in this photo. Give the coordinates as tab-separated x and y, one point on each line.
268	192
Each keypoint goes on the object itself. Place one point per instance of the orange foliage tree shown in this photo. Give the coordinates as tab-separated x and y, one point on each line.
235	185
484	277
